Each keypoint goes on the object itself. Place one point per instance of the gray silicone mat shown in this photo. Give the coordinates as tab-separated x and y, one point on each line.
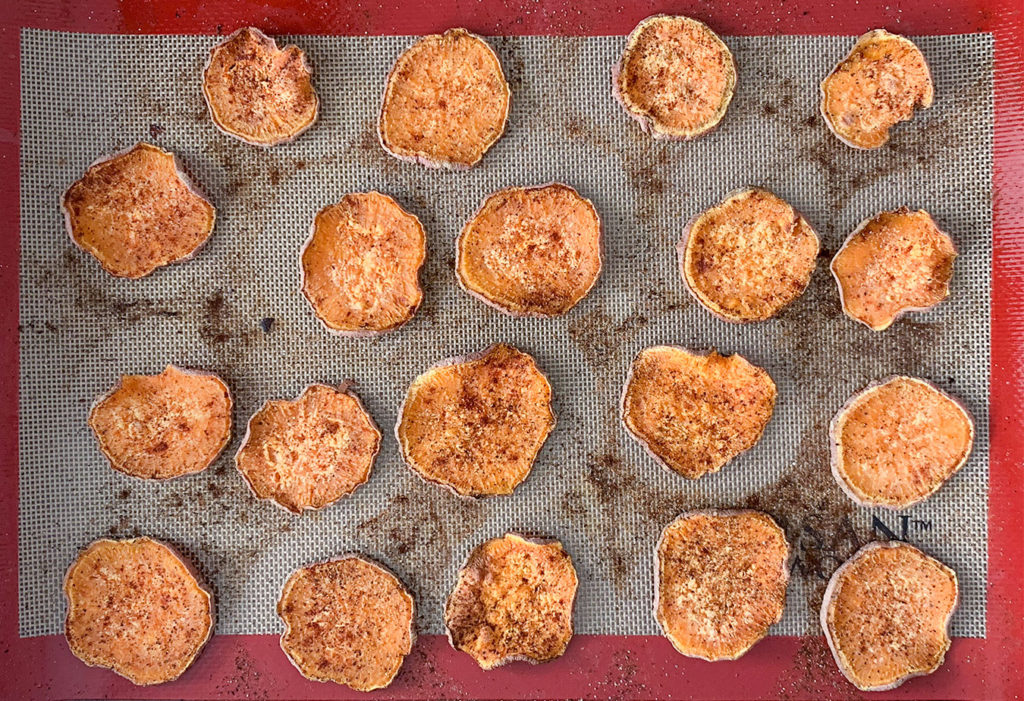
236	310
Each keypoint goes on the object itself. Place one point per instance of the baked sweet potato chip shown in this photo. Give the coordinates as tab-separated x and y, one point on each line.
137	608
513	601
136	211
162	426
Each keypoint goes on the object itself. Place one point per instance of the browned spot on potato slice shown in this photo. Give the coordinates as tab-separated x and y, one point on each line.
695	412
361	265
531	251
720	581
135	607
878	85
136	211
257	92
676	77
475	424
348	621
896	442
886	615
162	426
513	601
445	102
893	263
748	257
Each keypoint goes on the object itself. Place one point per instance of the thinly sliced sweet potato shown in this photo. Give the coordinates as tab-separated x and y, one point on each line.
695	412
257	92
747	257
886	615
531	251
720	581
162	426
361	265
878	85
896	442
675	77
893	263
348	621
475	424
309	452
513	601
445	102
137	608
137	211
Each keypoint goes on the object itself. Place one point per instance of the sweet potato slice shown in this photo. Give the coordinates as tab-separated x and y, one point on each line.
893	263
361	265
886	615
513	601
137	211
257	92
695	412
137	608
309	452
720	581
878	85
162	426
475	424
676	77
348	621
531	251
896	442
747	257
445	102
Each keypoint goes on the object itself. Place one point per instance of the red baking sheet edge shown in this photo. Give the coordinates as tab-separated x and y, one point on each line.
595	666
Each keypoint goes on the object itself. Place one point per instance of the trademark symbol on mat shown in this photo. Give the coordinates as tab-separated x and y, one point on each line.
904	528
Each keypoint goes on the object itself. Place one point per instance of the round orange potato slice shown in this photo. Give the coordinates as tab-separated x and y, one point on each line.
694	412
531	251
676	77
257	92
361	265
748	256
137	608
886	615
163	426
720	581
445	102
896	442
348	621
475	424
309	452
137	211
513	601
893	263
878	85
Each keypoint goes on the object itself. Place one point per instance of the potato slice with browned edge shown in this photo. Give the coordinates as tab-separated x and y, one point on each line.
136	211
531	251
257	92
137	608
361	265
694	412
886	615
748	256
897	441
163	426
675	77
475	424
720	581
348	621
310	452
878	85
893	263
445	102
513	601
